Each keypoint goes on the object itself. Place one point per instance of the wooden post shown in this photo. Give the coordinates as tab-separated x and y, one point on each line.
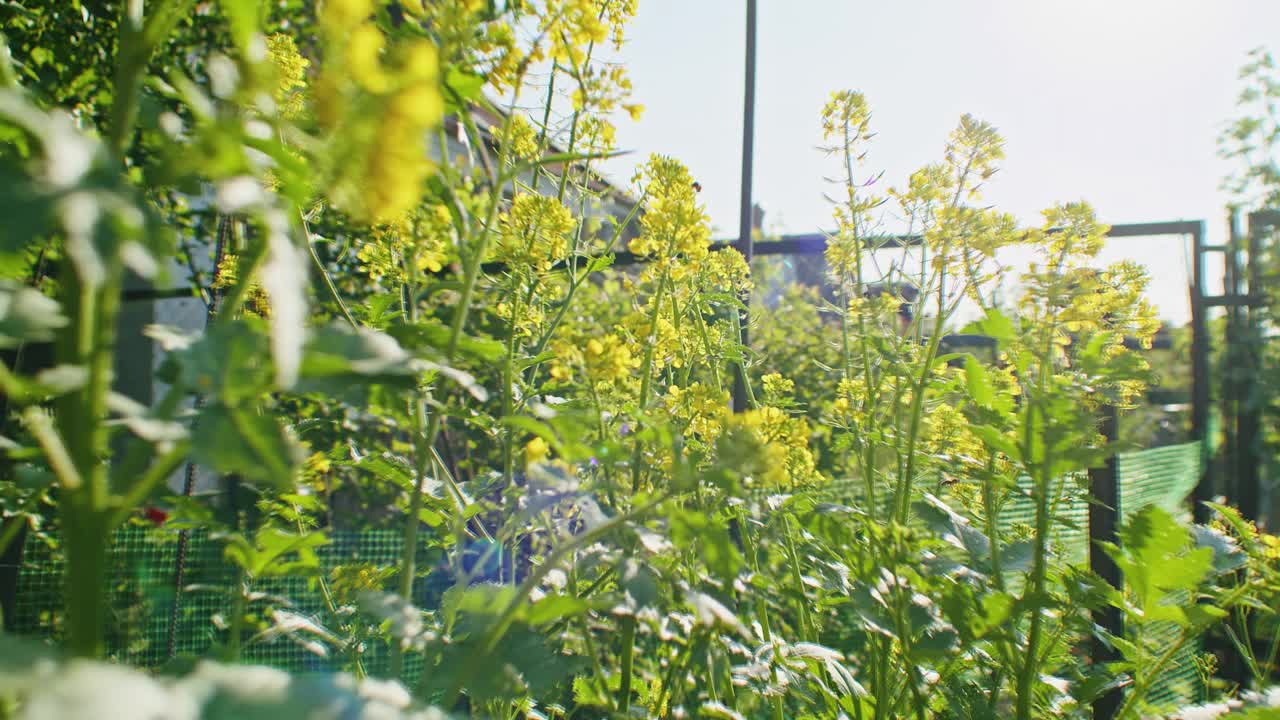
1104	521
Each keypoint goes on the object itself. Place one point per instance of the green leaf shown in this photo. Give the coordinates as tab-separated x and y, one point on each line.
994	325
229	363
955	530
552	608
1160	564
338	360
26	315
460	89
692	529
430	338
275	545
639	582
239	440
977	381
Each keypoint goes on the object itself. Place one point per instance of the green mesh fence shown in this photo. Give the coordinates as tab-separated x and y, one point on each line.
1164	477
142	587
142	594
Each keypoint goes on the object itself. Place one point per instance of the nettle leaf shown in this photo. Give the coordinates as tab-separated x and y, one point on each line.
639	582
430	338
1159	562
239	440
338	360
955	529
26	315
229	363
692	529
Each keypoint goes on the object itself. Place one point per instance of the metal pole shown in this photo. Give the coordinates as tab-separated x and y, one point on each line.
745	244
1249	422
1200	375
1104	518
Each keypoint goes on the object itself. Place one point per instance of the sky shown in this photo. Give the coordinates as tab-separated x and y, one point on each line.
1115	102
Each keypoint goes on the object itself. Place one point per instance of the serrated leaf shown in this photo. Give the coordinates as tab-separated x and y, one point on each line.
238	440
994	324
1158	559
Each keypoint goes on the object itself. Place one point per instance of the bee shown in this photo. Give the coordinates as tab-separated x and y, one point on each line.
697	186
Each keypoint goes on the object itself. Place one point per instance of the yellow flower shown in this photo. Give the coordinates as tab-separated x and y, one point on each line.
769	447
777	389
291	69
535	233
609	359
364	59
846	110
379	102
674	227
339	16
520	139
700	411
536	450
419	242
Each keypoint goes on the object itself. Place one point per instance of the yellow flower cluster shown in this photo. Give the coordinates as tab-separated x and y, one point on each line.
605	361
846	114
256	301
699	410
382	109
534	233
725	271
608	359
535	451
674	228
947	435
669	344
519	138
777	389
420	242
851	394
570	26
596	134
972	153
524	319
769	448
349	581
291	72
605	89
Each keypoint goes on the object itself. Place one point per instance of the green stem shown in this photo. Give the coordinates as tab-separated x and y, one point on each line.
646	378
806	625
239	606
86	581
324	275
628	650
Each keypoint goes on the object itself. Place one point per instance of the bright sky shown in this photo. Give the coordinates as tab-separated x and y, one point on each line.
1116	102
